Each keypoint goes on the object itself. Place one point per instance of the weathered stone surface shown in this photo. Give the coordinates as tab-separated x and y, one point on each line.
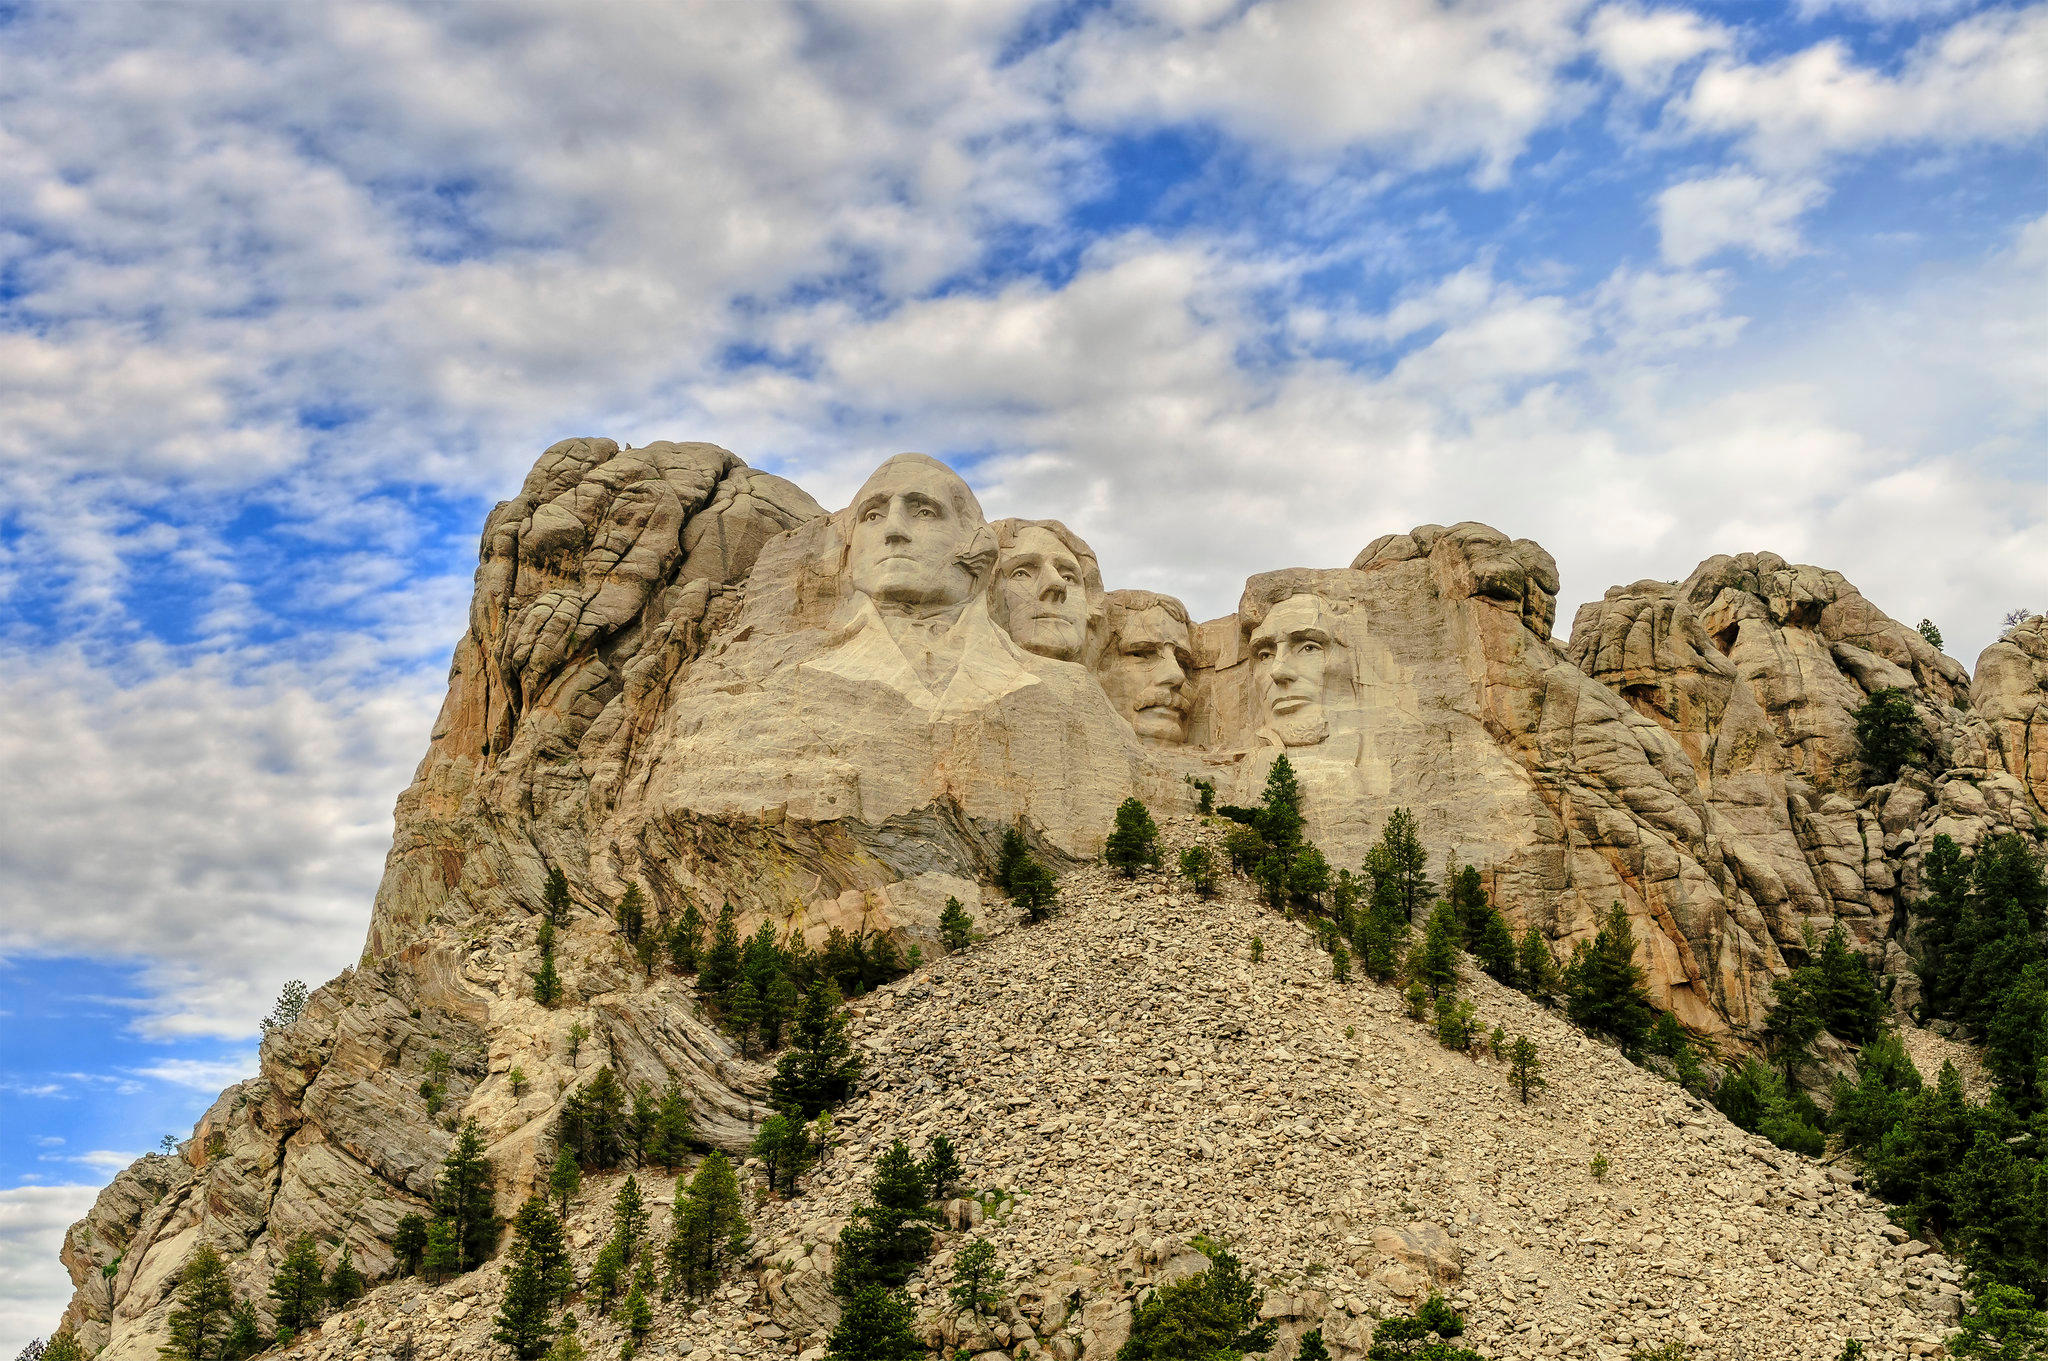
681	673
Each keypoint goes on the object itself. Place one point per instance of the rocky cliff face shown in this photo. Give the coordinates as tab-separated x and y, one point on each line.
682	674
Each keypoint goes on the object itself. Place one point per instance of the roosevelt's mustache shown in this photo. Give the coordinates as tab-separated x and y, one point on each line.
1160	697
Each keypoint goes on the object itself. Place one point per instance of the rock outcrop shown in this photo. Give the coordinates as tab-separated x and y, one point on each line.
682	674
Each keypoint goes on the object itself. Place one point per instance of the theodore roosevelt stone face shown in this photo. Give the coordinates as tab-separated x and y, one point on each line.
1041	594
1291	651
913	522
1144	663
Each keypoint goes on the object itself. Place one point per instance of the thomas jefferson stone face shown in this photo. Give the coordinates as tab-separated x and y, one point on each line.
1041	597
1144	669
1291	664
912	522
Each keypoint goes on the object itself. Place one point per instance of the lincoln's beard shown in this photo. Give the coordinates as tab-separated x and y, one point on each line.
1305	727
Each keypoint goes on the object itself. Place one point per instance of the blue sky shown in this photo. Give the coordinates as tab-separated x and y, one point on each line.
289	296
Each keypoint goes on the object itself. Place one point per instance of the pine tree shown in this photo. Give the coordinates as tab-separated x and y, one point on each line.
345	1284
244	1338
719	971
1928	631
2016	1044
594	1123
1435	962
779	1004
63	1346
1312	1348
709	1227
956	928
636	1315
1377	940
1454	1022
1198	867
409	1244
1212	1314
743	1014
941	1167
1793	1022
874	1325
541	1237
1279	817
1013	853
523	1317
607	1274
565	1178
632	911
674	1131
1604	986
784	1149
1523	1066
202	1315
1308	878
444	1251
819	1069
1536	971
1398	867
547	981
975	1279
1845	993
555	897
1889	736
299	1286
1134	845
1033	889
1885	1081
891	1234
687	940
1493	945
2001	1324
463	1197
1340	962
568	1346
629	1220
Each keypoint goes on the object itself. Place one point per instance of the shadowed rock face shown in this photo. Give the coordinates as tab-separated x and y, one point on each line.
681	673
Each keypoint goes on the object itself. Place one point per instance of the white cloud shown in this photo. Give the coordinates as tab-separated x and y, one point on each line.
1983	79
1733	210
1645	47
33	1288
201	1075
1884	11
225	831
1423	83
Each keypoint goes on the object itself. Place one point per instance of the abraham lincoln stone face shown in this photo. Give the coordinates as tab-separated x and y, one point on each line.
913	525
1292	651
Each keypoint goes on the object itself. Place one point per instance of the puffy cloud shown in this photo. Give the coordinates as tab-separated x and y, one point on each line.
32	1292
1733	210
1645	47
1422	83
1982	79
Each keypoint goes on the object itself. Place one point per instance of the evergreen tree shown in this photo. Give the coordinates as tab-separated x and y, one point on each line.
2016	1042
1033	889
784	1148
891	1234
244	1338
674	1132
1134	844
2001	1324
632	911
594	1124
687	939
1536	971
1885	1080
1013	853
1917	1157
875	1324
409	1244
1493	945
1244	848
1308	878
956	928
444	1252
1279	817
1523	1066
202	1315
555	897
976	1278
607	1274
644	1123
63	1346
1340	962
463	1197
941	1167
819	1069
1377	941
1455	1028
636	1315
1845	993
1604	987
540	1236
523	1317
1398	867
1793	1022
1932	634
743	1014
345	1284
629	1220
565	1178
299	1286
1312	1348
719	971
1212	1314
547	981
778	1006
568	1346
709	1228
1435	961
1889	736
1422	1336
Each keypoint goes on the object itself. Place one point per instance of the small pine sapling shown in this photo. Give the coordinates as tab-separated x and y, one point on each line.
1134	844
1258	949
1523	1066
1340	962
1198	867
956	928
942	1167
975	1279
1417	998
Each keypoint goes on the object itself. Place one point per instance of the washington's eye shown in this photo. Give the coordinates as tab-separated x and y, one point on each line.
872	514
1310	647
1020	574
1070	578
927	512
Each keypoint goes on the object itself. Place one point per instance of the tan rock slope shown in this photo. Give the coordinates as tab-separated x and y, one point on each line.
682	673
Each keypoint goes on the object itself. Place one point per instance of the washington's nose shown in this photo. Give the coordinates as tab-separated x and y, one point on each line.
896	527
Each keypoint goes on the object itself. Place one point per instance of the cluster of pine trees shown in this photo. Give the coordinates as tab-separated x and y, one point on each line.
889	1236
